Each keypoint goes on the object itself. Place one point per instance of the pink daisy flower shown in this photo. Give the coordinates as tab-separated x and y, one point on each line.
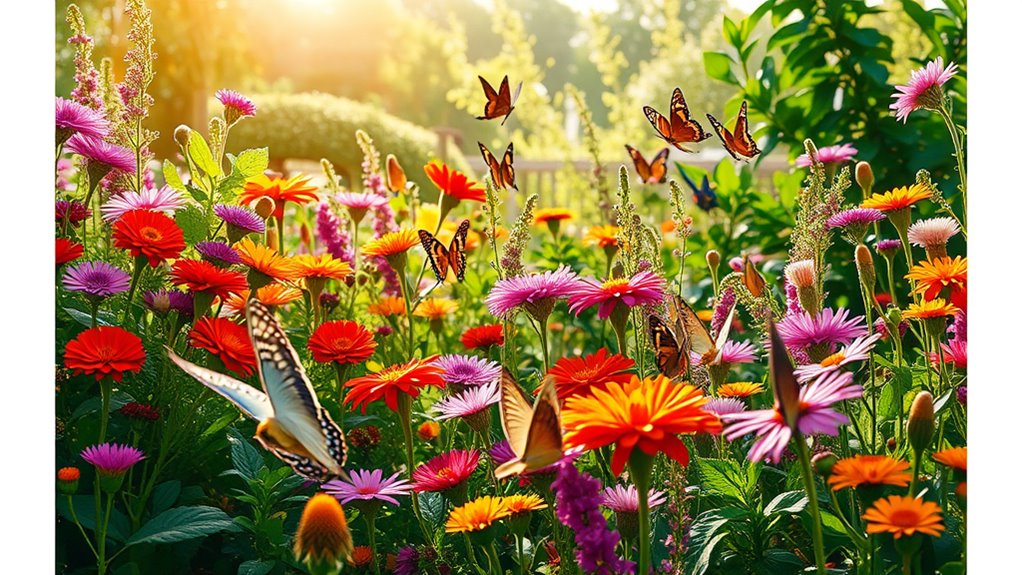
828	155
724	405
445	471
801	330
111	458
625	498
923	89
469	402
360	201
731	352
816	414
536	292
96	279
102	152
166	200
933	232
368	485
244	220
236	106
74	118
955	353
467	369
858	350
644	288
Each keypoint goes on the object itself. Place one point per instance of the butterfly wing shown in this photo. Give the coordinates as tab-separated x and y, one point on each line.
725	136
641	166
515	413
490	108
660	123
699	338
683	127
543	441
295	406
456	253
752	279
704	196
511	101
670	359
438	256
507	167
252	402
786	388
493	165
658	167
742	140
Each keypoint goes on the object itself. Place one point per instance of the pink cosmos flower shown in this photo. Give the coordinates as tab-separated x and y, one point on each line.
446	470
360	201
74	118
816	414
625	498
801	330
467	369
923	89
724	405
858	350
368	485
111	458
730	352
644	288
166	200
102	152
829	155
469	402
533	290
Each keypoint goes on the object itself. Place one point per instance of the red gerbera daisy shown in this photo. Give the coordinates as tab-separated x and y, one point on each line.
341	342
68	251
577	375
407	378
227	341
150	234
202	276
454	183
445	471
483	336
105	351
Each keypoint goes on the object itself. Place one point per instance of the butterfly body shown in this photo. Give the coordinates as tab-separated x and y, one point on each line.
498	103
532	431
703	194
678	127
739	143
502	173
654	172
685	336
443	258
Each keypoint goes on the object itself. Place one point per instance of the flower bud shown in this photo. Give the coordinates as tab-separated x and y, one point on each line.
713	259
892	444
823	463
323	540
396	179
428	431
867	272
864	176
264	207
67	480
920	421
181	135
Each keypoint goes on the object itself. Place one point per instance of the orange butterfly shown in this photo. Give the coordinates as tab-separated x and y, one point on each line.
502	173
752	279
654	172
739	143
441	258
498	103
680	128
671	354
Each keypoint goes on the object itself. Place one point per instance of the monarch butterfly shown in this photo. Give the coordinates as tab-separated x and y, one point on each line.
532	431
673	353
680	128
654	172
739	143
500	103
752	279
502	173
441	258
293	426
671	359
703	194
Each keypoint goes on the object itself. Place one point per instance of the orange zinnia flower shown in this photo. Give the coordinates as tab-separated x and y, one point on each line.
523	503
272	295
869	470
150	234
435	308
68	251
956	457
265	260
341	342
323	537
477	515
388	306
454	183
544	215
898	198
646	413
226	340
578	375
68	474
202	276
391	243
739	389
105	351
929	309
323	266
933	276
281	191
601	236
405	378
904	516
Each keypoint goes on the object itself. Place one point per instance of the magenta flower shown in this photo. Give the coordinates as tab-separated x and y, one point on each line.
360	201
166	200
858	350
74	118
467	369
96	279
815	415
368	485
241	218
724	405
644	288
75	212
102	152
955	352
536	292
236	106
407	562
722	309
731	352
469	402
887	248
165	301
923	89
855	217
111	458
501	452
625	498
802	330
578	507
218	253
828	155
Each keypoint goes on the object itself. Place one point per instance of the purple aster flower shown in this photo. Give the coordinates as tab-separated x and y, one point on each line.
537	293
102	152
722	309
961	393
467	370
236	106
625	499
166	200
888	247
724	405
469	402
729	353
644	288
164	301
96	279
368	485
218	253
858	350
803	330
74	118
407	562
501	452
75	212
240	218
828	155
578	507
111	458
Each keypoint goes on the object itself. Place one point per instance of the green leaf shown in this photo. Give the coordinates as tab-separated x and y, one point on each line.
92	405
251	162
171	176
192	222
102	318
787	502
256	567
165	495
702	560
85	511
779	562
952	568
181	524
197	194
246	459
722	477
718	67
433	506
200	154
731	32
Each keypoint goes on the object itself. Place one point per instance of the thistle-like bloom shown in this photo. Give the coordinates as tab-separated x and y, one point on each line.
904	516
469	402
537	293
445	471
954	457
392	243
467	370
202	276
407	378
720	406
924	89
483	336
625	498
887	248
140	411
74	118
932	232
368	485
149	234
435	308
644	288
111	458
646	413
96	279
105	351
73	212
933	276
453	183
407	561
801	274
803	330
828	155
323	539
578	375
218	253
816	414
166	200
165	301
897	198
227	341
937	308
236	106
477	515
858	350
102	152
869	470
601	236
739	389
69	251
281	191
341	342
731	352
855	221
243	219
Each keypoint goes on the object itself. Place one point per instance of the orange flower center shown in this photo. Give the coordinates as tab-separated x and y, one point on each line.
904	518
617	286
151	234
342	343
445	473
834	359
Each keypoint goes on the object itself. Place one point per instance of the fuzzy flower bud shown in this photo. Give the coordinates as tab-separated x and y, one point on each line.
181	135
864	177
867	272
802	274
920	421
67	480
823	463
323	541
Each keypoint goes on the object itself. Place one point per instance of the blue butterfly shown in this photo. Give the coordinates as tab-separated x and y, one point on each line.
703	195
293	426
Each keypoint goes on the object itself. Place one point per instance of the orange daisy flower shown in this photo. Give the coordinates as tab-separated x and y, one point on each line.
202	276
435	308
323	536
933	276
324	266
388	306
602	236
271	295
428	431
544	215
391	243
929	309
404	378
454	183
281	191
477	515
904	516
524	503
341	342
68	251
226	340
955	457
105	351
646	413
578	375
265	260
898	198
150	234
869	470
739	389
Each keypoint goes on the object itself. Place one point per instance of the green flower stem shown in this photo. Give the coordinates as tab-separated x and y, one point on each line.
814	505
340	369
959	157
404	410
495	561
371	523
917	461
403	284
140	265
853	533
74	517
101	531
104	415
544	342
520	548
890	279
471	554
641	467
